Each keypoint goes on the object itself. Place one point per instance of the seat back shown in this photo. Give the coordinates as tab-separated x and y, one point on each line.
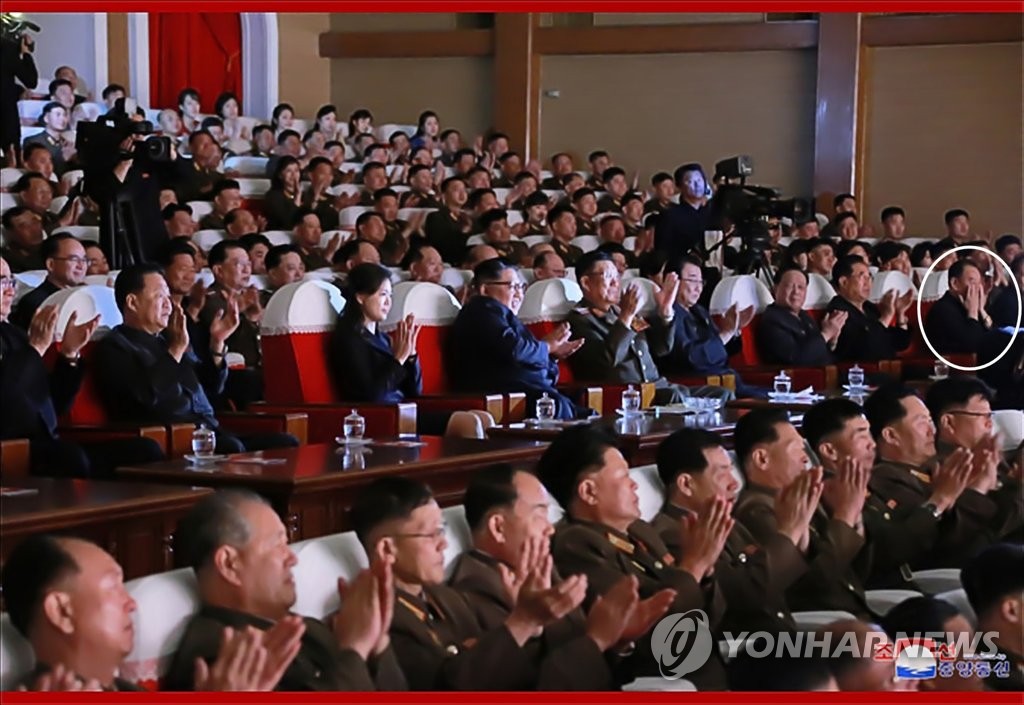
546	304
647	289
16	657
86	233
456	278
206	239
1009	424
649	489
435	310
457	535
296	330
934	287
321	561
887	281
587	243
958	598
742	290
166	602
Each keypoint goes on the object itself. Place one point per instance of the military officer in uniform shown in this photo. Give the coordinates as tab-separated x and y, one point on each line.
695	468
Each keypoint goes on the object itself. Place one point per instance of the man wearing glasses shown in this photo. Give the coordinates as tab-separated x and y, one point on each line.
66	264
492	352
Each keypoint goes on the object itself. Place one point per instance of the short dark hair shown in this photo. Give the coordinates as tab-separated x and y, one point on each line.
225	185
537	198
884	406
995	572
815	243
523	176
31	148
659	177
596	154
631	196
756	427
417	168
365	218
573	452
174	247
301	213
211	121
24	181
350	249
324	110
132	280
214	521
508	155
828	417
844	266
368	166
490	270
890	211
52	105
954	392
383	193
232	215
685	169
612	172
918	615
222	100
790	267
580	193
383	500
652	263
7	219
558	211
112	88
588	260
188	93
1001	243
57	83
956	270
475	196
887	250
845	247
683	452
285	134
276	253
35	565
51	245
845	215
219	253
490	488
495	136
492	216
465	151
955	213
541	259
250	240
840	197
318	161
918	251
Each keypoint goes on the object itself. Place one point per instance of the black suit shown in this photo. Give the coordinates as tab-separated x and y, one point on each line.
27	306
785	339
365	369
444	230
950	329
33	397
14	68
279	209
864	338
680	230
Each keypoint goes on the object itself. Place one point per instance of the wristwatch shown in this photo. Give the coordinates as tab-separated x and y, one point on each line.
933	508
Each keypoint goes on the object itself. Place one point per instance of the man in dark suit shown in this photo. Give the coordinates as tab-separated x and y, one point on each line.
680	230
695	469
448	228
147	369
238	548
604	538
907	477
34	396
618	344
435	634
64	258
869	333
491	351
958	321
770	452
994	580
17	66
787	335
507	511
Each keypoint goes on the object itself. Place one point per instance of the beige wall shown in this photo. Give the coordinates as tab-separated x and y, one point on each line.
646	18
656	112
943	130
304	78
392	22
398	90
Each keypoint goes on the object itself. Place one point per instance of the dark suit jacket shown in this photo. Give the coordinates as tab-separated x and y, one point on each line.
15	68
32	397
441	645
605	556
28	304
320	664
864	337
568	659
1002	306
949	328
194	183
445	231
696	346
680	230
612	352
364	367
783	338
963	529
279	210
753	577
140	381
831	581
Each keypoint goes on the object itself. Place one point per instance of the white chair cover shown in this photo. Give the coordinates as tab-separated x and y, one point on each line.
431	304
743	290
302	307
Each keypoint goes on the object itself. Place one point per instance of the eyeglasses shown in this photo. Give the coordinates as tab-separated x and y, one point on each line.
8	282
514	286
437	534
74	260
978	414
699	282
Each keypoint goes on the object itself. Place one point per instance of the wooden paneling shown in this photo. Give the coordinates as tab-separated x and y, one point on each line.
835	124
517	80
117	51
443	43
918	30
669	39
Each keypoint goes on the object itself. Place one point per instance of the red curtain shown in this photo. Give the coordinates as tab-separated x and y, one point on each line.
201	50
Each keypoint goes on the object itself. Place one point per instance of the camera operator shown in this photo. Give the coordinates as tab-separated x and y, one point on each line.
16	65
680	230
126	167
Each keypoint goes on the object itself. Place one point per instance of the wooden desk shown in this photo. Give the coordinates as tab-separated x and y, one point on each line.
315	486
639	436
793	405
134	522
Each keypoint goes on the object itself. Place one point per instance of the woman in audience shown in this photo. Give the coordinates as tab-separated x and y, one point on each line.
427	129
236	134
921	255
189	107
360	122
282	118
285	195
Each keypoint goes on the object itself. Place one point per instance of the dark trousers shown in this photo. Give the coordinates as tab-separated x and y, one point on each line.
97	460
228	443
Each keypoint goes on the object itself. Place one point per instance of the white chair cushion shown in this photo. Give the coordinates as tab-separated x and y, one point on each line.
881	601
321	561
887	281
302	307
431	304
16	657
819	292
743	290
650	490
87	301
166	602
937	580
457	534
550	300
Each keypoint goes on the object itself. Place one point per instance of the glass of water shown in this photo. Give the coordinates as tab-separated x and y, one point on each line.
782	384
631	400
204	442
545	408
856	377
354	427
941	370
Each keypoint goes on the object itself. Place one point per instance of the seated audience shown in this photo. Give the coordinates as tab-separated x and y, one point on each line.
1002	303
958	227
421	189
424	264
787	335
498	235
664	193
846	226
893	256
1008	247
548	265
448	228
284	198
561	164
23	238
994	581
306	235
178	220
95	259
615	187
562	222
599	161
491	351
54	137
894	223
238	549
65	262
584	202
257	246
958	321
227	197
147	370
284	266
869	333
821	258
36	192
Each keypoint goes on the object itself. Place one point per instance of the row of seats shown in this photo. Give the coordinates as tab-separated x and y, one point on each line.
167	601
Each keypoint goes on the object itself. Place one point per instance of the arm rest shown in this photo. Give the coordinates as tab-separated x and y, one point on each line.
15	460
114	431
295	423
325	421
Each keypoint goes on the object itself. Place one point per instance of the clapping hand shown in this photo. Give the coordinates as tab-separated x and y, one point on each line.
406	336
177	334
702	537
77	335
42	328
845	492
61	679
666	296
251	659
832	325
